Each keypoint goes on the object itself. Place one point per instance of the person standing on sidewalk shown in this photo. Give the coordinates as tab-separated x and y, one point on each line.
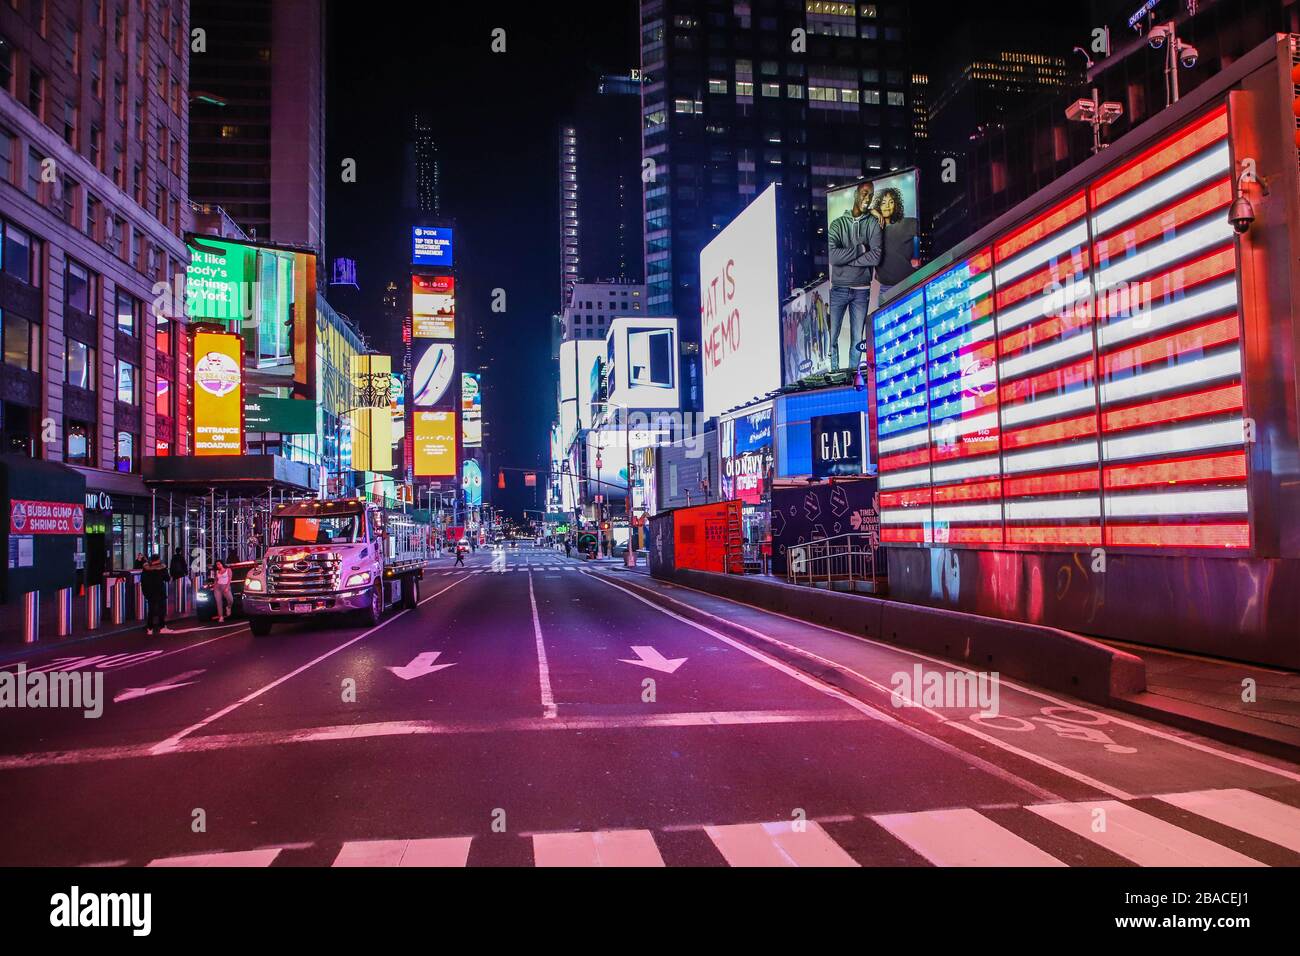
221	592
153	583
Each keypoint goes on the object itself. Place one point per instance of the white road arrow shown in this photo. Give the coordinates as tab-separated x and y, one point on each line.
171	683
649	657
422	665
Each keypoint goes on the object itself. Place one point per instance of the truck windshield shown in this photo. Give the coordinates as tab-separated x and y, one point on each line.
318	529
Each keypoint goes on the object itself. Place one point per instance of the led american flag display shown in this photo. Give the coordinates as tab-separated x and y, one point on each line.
1078	382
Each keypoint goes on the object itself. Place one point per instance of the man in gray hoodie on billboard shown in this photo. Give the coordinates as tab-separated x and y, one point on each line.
855	251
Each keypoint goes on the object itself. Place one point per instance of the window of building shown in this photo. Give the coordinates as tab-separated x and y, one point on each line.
22	342
162	334
79	365
717	86
18	429
36	93
94	218
21	255
78	441
128	313
137	184
97	147
97	75
6	66
128	383
126	460
7	146
78	288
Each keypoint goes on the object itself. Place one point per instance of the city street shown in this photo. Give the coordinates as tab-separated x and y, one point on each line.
538	710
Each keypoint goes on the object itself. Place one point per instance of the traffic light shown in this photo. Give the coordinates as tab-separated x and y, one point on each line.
501	479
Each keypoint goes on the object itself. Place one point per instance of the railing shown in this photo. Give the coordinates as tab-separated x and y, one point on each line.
845	558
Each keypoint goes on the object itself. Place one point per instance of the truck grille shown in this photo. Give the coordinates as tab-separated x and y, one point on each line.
312	574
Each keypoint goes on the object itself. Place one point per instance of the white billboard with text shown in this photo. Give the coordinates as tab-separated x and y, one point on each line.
740	309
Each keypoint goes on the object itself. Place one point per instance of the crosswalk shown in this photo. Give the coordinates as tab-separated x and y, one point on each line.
536	568
1212	828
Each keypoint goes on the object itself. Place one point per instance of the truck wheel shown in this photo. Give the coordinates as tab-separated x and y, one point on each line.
260	626
375	613
410	592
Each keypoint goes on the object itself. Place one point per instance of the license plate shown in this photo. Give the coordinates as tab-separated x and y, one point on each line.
302	609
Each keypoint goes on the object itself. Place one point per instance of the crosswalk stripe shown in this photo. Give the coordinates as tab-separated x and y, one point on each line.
778	844
1245	811
446	851
602	848
963	838
1140	837
236	858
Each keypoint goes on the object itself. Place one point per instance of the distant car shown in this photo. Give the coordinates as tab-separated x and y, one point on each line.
204	605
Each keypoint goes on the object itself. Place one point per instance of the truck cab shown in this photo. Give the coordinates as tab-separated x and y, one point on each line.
332	557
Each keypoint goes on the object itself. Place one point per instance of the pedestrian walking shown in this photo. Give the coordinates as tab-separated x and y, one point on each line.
153	583
460	555
221	592
568	547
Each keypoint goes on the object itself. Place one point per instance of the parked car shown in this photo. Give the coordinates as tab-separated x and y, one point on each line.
206	608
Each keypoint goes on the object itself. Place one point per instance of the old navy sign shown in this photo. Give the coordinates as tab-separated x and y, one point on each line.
839	444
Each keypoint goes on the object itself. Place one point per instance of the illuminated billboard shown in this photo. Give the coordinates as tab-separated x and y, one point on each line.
471	410
371	417
642	363
434	436
747	462
433	307
397	405
217	374
471	482
266	294
740	309
434	371
431	246
1078	381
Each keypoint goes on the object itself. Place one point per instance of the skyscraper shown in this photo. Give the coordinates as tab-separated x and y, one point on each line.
258	120
423	184
600	185
804	93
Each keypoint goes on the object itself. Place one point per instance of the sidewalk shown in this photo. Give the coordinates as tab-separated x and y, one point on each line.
1201	695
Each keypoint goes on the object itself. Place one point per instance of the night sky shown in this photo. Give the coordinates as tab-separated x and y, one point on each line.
497	116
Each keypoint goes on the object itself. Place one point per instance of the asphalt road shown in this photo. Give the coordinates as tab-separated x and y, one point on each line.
529	713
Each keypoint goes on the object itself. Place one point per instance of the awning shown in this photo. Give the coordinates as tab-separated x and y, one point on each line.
243	474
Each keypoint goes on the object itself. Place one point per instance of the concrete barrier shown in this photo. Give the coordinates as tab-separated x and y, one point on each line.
1045	656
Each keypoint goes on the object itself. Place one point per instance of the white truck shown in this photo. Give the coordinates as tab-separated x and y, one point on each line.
342	556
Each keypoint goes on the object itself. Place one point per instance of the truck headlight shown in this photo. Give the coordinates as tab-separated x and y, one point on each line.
358	579
252	584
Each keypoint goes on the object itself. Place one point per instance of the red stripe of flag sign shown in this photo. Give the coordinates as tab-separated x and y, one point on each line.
1079	382
46	517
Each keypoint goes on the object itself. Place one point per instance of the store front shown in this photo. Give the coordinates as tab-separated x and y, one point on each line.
746	468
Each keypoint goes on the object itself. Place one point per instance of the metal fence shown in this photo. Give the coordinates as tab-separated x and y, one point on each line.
842	560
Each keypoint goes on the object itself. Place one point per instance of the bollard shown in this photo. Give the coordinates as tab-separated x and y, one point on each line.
118	600
65	612
93	607
31	616
139	599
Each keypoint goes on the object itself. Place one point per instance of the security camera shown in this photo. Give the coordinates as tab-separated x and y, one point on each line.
1187	55
1157	37
1241	214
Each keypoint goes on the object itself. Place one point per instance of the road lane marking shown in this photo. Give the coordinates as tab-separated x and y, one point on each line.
962	837
543	668
119	660
170	683
1245	811
602	848
1138	836
988	767
166	746
778	844
1003	680
440	852
236	858
393	728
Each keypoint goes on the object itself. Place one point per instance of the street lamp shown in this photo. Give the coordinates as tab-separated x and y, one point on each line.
630	558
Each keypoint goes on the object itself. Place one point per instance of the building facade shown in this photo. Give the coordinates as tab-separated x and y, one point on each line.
258	133
94	132
804	93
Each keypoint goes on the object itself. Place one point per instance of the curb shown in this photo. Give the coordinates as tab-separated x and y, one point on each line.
1245	732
